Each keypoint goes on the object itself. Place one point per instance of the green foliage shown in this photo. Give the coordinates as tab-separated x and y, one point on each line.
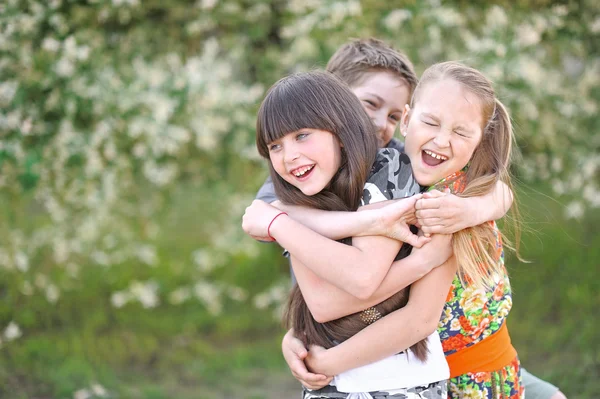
127	158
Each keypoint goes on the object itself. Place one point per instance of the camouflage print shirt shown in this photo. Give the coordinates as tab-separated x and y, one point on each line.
391	177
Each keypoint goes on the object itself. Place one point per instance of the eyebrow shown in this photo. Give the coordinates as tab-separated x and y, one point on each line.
378	98
431	116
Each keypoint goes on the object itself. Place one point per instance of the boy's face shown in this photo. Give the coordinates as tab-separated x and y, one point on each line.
383	95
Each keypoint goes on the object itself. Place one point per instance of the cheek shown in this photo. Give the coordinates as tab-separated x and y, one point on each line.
276	163
369	112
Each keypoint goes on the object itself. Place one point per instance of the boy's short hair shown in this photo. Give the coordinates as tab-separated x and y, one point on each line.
354	59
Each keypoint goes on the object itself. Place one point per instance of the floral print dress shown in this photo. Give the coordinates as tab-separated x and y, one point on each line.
470	316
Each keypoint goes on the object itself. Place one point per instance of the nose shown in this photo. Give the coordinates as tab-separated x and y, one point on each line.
380	122
442	139
290	153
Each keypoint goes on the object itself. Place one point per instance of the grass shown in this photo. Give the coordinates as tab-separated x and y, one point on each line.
184	352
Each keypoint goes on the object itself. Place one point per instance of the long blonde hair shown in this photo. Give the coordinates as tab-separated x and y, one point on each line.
476	248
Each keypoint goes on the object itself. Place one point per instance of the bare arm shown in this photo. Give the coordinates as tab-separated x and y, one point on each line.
331	224
357	269
388	218
327	302
446	213
393	333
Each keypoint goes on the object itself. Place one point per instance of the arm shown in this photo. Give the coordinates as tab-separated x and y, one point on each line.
393	333
327	302
446	213
388	218
358	269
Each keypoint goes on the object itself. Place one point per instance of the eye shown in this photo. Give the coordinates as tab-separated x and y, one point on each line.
370	103
301	136
395	117
461	134
274	147
429	123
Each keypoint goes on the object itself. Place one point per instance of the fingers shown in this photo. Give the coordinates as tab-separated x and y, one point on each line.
429	203
316	385
294	353
423	214
415	240
437	229
308	379
434	194
404	206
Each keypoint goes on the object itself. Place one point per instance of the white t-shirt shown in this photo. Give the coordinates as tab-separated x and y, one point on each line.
391	178
403	370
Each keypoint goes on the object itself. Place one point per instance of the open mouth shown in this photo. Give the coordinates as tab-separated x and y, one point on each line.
302	172
431	158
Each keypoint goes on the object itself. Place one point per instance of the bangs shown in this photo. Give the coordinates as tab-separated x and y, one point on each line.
292	104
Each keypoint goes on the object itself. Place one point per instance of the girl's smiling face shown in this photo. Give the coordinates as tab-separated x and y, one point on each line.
442	130
307	159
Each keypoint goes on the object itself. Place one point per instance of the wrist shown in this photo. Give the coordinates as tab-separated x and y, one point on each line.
477	216
277	220
366	223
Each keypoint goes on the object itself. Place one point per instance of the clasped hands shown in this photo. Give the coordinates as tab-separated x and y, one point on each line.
433	212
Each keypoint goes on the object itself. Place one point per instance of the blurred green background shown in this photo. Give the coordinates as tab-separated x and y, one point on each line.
127	158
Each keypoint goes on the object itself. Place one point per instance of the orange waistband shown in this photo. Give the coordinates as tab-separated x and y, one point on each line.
490	354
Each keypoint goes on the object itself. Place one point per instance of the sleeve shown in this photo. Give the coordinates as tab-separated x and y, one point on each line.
267	192
391	178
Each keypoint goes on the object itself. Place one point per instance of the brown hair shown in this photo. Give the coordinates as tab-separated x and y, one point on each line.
319	100
477	247
354	59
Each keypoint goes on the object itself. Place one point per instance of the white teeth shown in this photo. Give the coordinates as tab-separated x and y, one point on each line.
434	155
301	171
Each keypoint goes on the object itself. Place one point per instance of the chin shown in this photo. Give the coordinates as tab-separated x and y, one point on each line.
310	193
427	181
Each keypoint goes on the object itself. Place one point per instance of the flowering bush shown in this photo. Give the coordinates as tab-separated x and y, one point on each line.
126	134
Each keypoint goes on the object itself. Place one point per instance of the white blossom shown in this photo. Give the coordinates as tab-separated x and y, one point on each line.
12	331
574	210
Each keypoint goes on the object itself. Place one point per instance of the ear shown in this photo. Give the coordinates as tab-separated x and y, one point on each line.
405	119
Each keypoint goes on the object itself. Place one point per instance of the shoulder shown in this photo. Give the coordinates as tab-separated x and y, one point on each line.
396	144
390	178
267	191
390	158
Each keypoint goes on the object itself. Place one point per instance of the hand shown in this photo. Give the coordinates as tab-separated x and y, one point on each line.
294	353
393	221
443	213
314	355
257	218
435	253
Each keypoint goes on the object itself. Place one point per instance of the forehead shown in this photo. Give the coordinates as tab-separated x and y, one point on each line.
451	101
386	85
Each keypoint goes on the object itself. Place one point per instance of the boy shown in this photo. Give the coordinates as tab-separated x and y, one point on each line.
384	79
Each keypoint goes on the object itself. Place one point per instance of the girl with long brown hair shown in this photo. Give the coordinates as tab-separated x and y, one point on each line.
322	155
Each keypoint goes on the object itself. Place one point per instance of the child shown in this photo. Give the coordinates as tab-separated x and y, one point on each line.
458	136
321	147
384	80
